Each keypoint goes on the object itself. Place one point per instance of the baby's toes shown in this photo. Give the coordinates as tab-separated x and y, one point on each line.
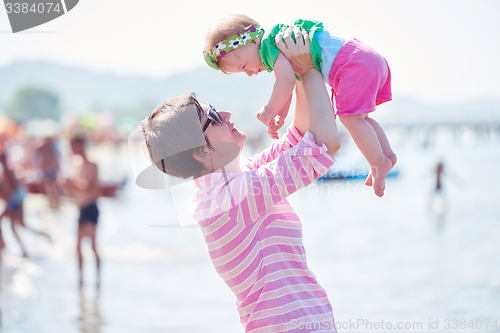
368	181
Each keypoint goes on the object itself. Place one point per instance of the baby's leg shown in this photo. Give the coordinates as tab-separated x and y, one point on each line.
365	137
384	143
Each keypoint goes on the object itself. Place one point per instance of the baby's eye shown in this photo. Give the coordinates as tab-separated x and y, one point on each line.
243	66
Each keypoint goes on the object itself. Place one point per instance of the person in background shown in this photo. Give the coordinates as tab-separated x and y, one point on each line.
48	163
84	188
2	246
13	193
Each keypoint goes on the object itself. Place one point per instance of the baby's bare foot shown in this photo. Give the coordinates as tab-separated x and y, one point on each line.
378	173
392	157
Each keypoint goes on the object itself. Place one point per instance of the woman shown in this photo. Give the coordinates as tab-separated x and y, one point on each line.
253	236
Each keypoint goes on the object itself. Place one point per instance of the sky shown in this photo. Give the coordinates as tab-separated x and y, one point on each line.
438	50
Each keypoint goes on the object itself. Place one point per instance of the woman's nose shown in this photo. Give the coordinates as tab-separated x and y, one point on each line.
226	115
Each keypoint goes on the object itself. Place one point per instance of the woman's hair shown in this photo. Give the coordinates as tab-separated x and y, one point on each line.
223	28
171	126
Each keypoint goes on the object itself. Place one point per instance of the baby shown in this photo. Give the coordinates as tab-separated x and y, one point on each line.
359	77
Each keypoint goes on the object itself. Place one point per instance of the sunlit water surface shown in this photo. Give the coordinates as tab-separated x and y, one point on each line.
399	259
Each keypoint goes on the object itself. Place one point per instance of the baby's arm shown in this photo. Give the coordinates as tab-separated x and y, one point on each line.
279	120
282	91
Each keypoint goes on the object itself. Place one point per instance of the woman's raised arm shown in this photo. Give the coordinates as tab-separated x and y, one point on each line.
320	117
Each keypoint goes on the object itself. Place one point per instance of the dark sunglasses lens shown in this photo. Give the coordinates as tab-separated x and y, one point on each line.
216	117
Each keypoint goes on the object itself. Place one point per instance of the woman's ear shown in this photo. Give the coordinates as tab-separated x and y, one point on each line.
201	154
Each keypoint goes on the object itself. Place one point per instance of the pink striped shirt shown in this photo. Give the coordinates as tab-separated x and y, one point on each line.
254	237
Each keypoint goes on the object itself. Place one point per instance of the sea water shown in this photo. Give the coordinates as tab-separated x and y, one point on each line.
411	260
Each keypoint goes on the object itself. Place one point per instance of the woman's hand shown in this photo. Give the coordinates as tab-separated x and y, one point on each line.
299	54
320	117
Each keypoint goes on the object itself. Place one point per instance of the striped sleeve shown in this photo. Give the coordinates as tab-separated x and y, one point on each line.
291	138
252	193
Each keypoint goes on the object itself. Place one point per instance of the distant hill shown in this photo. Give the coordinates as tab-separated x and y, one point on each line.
81	90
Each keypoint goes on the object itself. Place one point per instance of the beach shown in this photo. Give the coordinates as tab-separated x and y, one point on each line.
403	258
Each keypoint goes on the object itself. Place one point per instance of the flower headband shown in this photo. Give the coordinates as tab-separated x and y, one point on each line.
230	44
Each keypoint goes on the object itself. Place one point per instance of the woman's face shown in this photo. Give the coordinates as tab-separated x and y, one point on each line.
225	132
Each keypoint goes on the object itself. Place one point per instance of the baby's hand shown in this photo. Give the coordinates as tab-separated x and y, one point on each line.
273	133
272	130
265	116
274	126
273	123
278	122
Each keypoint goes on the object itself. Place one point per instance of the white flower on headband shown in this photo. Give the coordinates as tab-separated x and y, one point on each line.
235	43
258	29
245	37
219	47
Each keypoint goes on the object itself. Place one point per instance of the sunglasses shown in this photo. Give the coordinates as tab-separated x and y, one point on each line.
212	115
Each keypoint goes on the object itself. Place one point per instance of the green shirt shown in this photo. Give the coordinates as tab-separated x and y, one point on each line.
269	52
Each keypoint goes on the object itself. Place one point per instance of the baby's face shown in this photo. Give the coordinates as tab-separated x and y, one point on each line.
244	59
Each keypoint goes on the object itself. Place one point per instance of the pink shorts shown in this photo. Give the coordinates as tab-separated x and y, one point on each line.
360	79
